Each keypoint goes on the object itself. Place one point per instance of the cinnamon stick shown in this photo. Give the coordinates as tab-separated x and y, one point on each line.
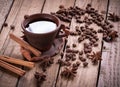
25	45
17	61
12	68
26	54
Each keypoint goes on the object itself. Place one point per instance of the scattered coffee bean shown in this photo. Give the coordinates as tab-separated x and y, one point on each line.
5	24
80	39
96	44
67	63
82	59
26	16
74	65
80	52
104	47
85	64
61	54
67	59
67	46
73	58
78	63
74	45
61	7
12	27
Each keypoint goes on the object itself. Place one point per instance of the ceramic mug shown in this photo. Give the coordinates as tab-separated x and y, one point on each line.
42	41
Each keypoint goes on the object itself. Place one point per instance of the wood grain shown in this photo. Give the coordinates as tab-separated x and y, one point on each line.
5	6
53	70
12	81
110	69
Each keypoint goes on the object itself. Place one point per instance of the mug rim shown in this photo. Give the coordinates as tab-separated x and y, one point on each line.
39	14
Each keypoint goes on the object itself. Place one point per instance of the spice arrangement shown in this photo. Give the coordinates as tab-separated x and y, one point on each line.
66	15
84	34
73	57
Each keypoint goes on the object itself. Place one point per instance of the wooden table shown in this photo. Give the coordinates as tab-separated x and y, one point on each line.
105	74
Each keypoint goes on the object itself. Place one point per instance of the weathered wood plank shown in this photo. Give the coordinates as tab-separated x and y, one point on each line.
53	70
28	79
9	47
110	69
5	6
5	81
86	77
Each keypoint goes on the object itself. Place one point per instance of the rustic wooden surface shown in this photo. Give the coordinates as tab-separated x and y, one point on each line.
106	74
5	6
110	68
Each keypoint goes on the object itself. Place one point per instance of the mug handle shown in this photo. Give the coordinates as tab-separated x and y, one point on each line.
66	32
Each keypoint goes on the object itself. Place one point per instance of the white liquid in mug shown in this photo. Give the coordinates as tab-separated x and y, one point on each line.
41	27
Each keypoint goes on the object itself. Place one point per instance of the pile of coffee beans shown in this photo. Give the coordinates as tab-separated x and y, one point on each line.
85	17
66	15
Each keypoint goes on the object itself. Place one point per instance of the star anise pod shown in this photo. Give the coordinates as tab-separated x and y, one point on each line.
95	57
113	17
40	77
46	62
68	73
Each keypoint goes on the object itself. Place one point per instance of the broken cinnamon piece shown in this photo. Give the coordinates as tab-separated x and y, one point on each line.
36	59
25	45
26	53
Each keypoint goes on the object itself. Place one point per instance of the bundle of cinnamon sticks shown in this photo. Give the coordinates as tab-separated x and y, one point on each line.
6	62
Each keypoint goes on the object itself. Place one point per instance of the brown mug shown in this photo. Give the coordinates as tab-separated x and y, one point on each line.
42	41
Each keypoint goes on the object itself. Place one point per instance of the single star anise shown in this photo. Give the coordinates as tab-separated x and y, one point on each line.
68	73
113	17
40	77
46	62
95	57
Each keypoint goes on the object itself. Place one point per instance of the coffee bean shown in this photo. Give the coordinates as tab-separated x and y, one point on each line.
12	27
74	45
85	64
67	46
82	59
80	52
78	63
73	59
26	16
95	44
5	24
61	7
